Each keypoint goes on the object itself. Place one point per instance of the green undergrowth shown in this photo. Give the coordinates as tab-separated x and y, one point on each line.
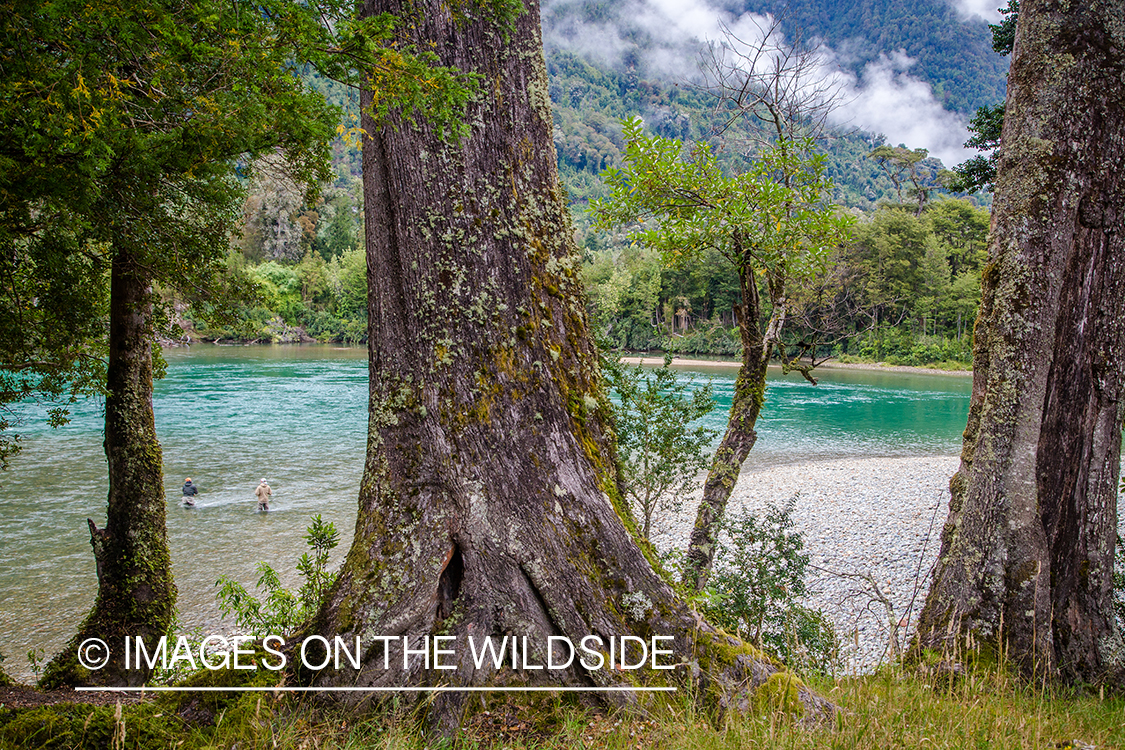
890	709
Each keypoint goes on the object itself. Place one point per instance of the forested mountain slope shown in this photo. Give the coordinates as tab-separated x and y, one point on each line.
612	60
609	60
590	100
954	55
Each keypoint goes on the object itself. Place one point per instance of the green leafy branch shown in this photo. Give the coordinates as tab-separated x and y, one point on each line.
280	610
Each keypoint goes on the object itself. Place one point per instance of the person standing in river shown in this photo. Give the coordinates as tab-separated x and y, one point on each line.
190	491
263	494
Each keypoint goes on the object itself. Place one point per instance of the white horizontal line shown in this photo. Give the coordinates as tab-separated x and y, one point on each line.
442	689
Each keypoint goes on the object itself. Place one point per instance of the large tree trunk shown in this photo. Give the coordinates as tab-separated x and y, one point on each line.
1027	552
136	596
489	504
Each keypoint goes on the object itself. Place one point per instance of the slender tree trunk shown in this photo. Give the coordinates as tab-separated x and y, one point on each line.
136	596
1027	552
740	436
489	504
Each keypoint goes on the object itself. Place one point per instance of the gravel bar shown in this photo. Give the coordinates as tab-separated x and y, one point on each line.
867	523
877	518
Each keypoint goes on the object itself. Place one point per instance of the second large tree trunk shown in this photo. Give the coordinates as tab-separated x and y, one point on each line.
1027	553
489	504
136	596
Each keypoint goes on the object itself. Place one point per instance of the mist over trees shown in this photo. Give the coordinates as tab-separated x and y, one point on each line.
953	53
311	251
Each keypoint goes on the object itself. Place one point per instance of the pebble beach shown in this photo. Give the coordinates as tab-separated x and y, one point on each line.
866	522
876	517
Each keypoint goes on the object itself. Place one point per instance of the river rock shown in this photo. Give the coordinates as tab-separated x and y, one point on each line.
867	523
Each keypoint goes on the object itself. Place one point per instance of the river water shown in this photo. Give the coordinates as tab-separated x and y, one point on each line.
296	415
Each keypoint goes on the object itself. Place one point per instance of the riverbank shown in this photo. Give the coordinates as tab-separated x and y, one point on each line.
866	523
301	338
733	365
871	528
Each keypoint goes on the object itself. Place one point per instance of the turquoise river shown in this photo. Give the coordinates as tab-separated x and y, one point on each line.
228	416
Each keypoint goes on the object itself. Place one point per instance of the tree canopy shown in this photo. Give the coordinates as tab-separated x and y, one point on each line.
130	135
128	127
753	219
137	127
775	226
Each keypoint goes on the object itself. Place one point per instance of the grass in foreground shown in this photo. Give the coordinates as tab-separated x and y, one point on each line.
888	710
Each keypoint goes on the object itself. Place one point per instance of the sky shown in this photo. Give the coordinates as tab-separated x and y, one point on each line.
886	98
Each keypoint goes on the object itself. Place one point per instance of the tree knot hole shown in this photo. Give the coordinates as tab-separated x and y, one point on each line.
449	583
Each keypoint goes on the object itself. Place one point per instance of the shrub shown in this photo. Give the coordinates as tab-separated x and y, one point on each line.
281	611
661	452
758	577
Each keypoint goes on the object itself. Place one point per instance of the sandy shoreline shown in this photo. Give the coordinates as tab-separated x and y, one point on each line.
658	359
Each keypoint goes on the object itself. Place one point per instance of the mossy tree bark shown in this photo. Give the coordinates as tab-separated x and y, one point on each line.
1027	552
489	505
136	596
740	436
151	184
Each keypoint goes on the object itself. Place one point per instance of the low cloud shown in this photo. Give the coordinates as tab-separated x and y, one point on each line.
986	9
888	100
663	38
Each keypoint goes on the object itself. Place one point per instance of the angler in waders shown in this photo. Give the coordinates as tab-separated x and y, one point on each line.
190	491
263	494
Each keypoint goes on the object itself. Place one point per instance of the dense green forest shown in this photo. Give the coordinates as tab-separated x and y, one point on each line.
954	55
904	291
590	101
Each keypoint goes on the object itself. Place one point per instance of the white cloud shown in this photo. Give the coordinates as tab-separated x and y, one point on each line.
986	9
889	101
885	99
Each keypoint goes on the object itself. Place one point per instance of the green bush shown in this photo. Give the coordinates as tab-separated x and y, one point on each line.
253	323
758	578
661	452
281	611
709	338
895	346
280	290
330	328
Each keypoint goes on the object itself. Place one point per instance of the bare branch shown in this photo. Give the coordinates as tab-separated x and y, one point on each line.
790	87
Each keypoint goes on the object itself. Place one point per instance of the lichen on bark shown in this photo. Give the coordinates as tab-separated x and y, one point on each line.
489	504
1026	562
136	596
